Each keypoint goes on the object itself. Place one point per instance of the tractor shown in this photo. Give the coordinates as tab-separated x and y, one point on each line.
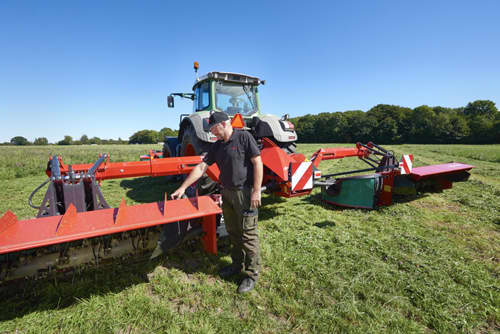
234	94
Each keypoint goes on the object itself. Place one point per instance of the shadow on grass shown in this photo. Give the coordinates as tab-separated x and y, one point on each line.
317	200
66	290
149	189
408	198
325	223
267	211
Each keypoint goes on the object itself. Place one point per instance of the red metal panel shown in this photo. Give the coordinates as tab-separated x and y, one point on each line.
153	167
7	220
68	221
44	231
418	173
337	153
275	159
385	197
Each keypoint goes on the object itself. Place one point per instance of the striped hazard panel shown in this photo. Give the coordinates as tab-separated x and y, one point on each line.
302	176
406	164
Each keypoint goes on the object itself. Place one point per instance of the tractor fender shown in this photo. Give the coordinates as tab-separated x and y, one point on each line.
269	126
197	122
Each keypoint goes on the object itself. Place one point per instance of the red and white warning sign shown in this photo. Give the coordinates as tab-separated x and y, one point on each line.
406	163
302	176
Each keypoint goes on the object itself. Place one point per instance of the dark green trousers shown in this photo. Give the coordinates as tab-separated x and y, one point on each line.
241	224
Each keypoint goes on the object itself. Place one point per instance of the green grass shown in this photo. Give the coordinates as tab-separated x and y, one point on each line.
430	264
18	162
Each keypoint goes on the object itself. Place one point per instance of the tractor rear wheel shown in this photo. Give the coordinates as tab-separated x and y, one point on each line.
166	153
191	145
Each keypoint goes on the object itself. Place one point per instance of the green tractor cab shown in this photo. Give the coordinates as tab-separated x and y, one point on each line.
233	94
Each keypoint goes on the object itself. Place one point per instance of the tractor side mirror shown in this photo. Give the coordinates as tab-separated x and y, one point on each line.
170	101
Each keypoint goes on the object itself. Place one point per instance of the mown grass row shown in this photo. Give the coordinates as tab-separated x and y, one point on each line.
426	264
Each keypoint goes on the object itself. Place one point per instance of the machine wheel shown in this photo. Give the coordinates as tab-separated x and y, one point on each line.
191	145
166	153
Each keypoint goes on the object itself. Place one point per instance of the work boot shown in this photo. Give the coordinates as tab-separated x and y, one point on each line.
246	285
229	271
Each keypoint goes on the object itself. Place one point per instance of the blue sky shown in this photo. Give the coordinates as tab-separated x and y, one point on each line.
104	68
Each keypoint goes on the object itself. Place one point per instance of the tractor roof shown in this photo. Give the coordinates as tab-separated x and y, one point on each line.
230	77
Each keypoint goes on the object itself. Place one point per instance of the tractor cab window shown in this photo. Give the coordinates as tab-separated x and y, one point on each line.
202	97
233	98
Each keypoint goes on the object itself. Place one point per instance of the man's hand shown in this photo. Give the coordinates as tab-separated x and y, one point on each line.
257	181
195	174
178	193
255	199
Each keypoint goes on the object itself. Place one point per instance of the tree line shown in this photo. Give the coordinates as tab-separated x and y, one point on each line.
140	137
476	123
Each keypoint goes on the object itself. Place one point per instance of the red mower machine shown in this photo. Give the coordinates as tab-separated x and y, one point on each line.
75	226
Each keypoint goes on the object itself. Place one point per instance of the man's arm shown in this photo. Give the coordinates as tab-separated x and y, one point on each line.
194	176
257	181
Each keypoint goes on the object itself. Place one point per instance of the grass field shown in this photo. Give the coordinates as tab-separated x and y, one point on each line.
430	264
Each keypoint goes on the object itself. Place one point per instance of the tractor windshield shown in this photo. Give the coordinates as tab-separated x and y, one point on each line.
233	98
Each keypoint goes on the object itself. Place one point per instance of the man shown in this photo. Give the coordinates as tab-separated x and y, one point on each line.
238	158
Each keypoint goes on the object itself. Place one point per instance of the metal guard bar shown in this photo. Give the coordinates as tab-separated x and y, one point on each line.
39	232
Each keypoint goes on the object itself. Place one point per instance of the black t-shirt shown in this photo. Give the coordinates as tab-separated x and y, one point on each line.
233	159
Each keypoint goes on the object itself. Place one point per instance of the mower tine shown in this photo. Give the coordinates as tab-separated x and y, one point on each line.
67	221
7	220
157	252
121	215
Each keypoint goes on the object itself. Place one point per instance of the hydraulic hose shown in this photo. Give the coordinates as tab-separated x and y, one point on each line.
30	199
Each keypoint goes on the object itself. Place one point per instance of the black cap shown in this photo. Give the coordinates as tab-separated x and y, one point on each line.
217	117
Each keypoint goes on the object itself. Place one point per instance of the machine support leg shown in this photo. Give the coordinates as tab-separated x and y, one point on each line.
210	238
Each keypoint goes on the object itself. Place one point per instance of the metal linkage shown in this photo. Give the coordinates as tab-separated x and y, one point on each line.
78	188
385	161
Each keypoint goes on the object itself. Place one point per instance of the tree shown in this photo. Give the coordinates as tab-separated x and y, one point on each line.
167	132
496	131
94	141
41	141
84	140
392	123
422	129
68	140
484	108
19	140
481	129
322	131
337	124
361	126
144	137
305	128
